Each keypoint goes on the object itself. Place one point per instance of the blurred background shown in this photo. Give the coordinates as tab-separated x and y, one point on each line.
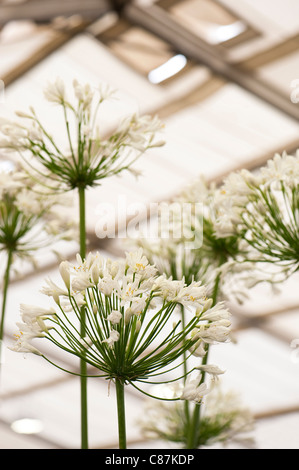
223	76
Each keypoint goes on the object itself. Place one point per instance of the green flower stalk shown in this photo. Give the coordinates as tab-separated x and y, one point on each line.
86	160
133	333
30	223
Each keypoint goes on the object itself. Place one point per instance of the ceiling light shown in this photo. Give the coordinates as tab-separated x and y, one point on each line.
27	426
168	69
224	33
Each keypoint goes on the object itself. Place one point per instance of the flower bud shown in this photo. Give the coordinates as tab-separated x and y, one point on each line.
64	270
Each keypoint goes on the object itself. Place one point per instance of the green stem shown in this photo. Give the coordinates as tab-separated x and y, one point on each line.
216	290
120	397
5	289
82	222
194	428
192	438
83	365
185	369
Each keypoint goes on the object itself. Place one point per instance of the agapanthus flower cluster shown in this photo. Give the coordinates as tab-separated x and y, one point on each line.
262	208
224	419
132	332
173	244
198	244
30	220
219	246
87	156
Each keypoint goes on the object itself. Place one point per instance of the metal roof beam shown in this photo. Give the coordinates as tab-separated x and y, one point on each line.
159	22
44	11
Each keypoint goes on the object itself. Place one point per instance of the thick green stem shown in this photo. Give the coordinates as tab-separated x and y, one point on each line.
121	415
194	428
4	298
83	365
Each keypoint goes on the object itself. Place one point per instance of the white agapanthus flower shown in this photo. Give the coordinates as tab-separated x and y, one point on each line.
23	344
31	313
217	331
114	336
114	317
216	313
211	369
194	390
139	264
53	290
283	167
55	91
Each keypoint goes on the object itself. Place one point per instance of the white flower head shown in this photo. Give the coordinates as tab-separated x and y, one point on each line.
192	295
215	332
22	344
114	336
107	285
36	329
55	92
114	317
52	290
137	263
30	313
194	390
106	91
216	313
83	93
81	281
167	288
211	369
198	349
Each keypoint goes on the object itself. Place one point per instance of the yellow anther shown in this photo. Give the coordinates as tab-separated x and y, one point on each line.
140	266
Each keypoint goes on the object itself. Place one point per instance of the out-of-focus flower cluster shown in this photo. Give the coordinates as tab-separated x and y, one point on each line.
224	419
30	220
199	244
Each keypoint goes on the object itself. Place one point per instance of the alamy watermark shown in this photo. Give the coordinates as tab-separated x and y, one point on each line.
174	221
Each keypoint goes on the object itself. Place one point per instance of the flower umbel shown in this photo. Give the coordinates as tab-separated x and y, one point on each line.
208	240
87	156
264	212
30	219
130	347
